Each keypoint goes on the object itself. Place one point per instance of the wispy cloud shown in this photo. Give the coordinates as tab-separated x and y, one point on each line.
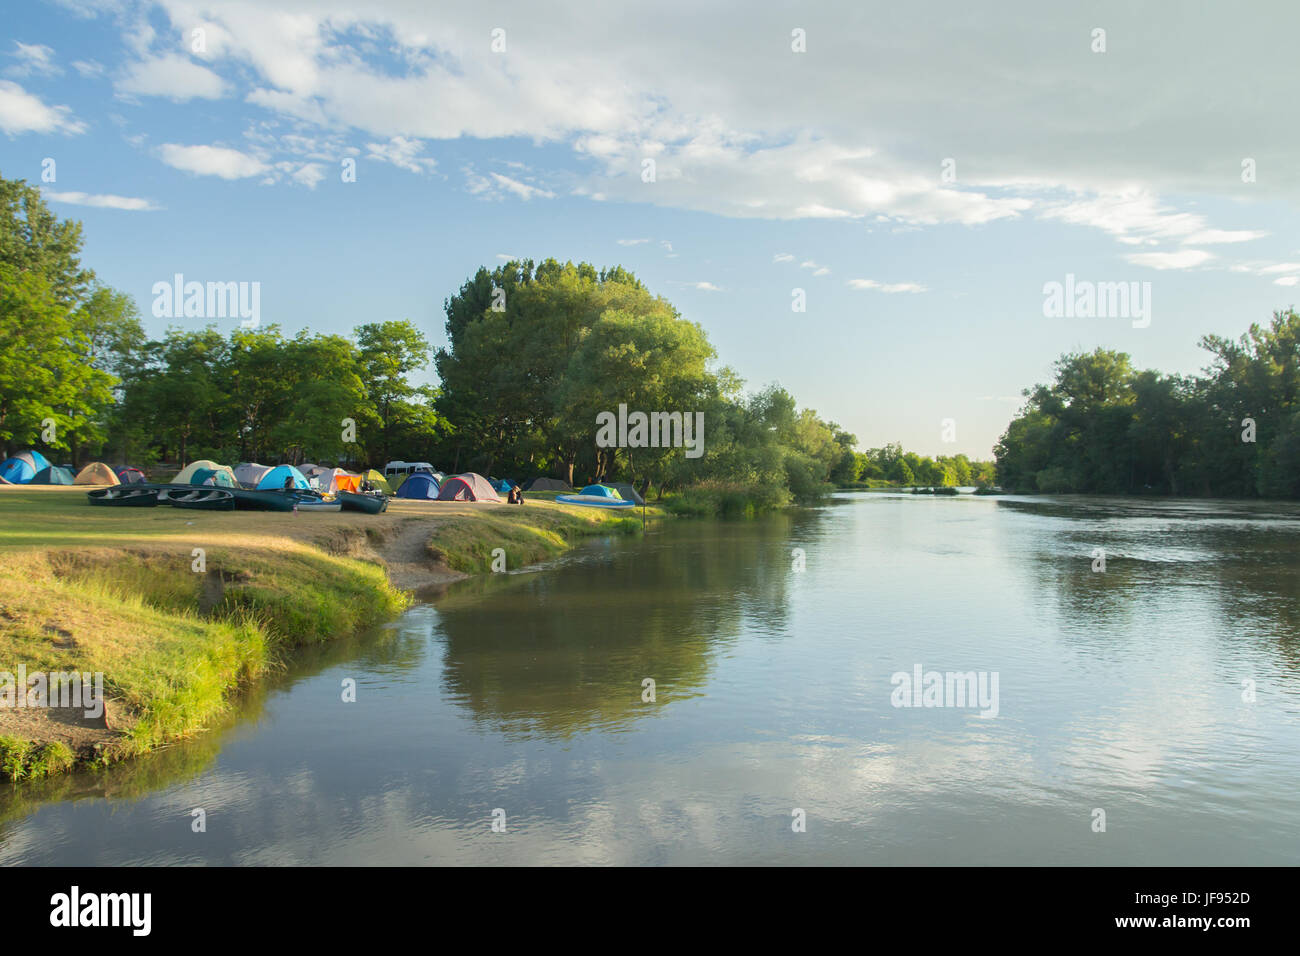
103	201
1182	259
889	287
34	59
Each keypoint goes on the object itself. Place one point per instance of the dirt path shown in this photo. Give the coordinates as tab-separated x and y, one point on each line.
406	554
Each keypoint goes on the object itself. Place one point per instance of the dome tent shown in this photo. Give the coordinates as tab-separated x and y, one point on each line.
378	481
186	475
128	475
214	477
53	475
249	473
468	487
548	484
627	492
419	486
96	473
274	479
22	467
600	491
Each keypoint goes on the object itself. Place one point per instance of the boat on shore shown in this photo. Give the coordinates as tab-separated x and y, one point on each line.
248	500
356	501
203	499
124	496
595	501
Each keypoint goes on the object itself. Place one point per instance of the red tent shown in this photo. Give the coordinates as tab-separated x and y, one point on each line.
467	487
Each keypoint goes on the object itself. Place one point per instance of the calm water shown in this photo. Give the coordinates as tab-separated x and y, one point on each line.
1120	691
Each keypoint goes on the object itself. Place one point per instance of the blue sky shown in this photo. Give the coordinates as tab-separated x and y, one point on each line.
820	170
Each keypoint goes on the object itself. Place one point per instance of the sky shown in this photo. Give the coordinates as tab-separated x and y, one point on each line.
916	176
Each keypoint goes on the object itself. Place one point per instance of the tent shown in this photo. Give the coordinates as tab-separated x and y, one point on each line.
308	469
467	487
377	480
600	491
274	479
627	492
548	484
53	475
419	486
503	484
186	474
130	476
214	478
96	473
22	467
249	473
334	480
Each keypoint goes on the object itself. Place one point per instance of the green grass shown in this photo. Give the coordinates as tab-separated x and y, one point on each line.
114	591
526	534
173	644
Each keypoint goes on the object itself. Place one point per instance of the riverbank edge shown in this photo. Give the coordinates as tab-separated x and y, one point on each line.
181	642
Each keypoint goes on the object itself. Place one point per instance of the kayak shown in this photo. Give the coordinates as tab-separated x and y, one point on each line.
124	496
262	500
594	501
317	504
355	501
203	499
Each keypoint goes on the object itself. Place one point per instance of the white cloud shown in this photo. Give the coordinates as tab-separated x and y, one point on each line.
497	186
34	59
631	242
403	153
817	270
21	112
740	129
1287	280
706	286
212	161
1183	259
103	201
889	287
783	257
173	76
89	69
308	174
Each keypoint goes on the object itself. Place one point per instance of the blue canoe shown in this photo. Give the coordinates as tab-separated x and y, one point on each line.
594	501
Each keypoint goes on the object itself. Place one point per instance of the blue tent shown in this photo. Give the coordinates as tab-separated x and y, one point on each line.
504	484
53	475
420	485
600	491
274	479
220	479
22	467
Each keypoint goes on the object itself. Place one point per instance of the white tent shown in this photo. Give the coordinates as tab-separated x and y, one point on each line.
249	473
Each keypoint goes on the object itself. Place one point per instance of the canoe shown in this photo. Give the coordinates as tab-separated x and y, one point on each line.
124	496
309	502
203	499
261	500
370	504
594	501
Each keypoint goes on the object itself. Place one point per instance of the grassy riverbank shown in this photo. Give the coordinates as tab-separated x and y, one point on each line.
122	592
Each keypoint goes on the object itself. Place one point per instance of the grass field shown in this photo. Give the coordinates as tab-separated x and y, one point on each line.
175	630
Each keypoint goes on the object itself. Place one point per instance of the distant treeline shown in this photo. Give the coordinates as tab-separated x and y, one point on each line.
534	355
893	466
1105	427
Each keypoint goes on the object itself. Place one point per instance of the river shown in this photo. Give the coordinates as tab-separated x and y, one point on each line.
1147	713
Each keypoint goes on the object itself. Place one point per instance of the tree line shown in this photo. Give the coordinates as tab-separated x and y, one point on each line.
1105	427
534	354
